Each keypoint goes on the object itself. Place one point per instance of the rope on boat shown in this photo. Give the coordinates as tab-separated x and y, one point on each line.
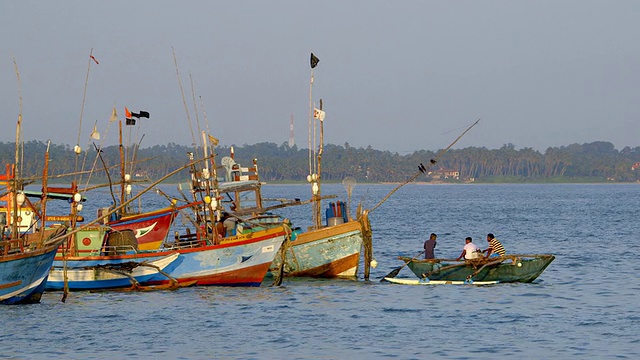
283	251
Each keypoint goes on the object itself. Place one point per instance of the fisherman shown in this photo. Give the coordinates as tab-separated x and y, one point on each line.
470	250
220	232
429	247
495	247
229	225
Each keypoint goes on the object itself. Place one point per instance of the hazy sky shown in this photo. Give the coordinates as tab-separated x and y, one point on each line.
396	75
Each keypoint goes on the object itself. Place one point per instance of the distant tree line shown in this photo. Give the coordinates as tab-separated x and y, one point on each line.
589	162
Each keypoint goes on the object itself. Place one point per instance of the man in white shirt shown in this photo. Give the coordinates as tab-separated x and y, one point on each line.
470	250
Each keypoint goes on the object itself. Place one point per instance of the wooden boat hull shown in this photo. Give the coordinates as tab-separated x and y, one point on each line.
328	252
238	261
513	268
150	228
93	275
436	282
242	260
23	275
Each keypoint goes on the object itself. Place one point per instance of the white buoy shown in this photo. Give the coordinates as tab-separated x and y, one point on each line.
374	263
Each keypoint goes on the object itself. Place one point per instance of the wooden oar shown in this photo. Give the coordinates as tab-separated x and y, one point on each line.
395	271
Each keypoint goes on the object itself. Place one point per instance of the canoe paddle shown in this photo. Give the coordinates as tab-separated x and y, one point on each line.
395	271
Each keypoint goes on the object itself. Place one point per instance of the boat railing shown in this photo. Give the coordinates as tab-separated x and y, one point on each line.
119	250
12	246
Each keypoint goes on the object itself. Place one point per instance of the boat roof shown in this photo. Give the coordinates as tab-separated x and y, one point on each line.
242	185
51	195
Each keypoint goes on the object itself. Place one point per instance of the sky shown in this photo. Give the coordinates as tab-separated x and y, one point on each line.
394	75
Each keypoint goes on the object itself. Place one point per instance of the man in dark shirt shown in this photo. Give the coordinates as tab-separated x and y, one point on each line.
429	246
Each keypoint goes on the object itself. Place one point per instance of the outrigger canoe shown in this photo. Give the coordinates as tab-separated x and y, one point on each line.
503	269
426	281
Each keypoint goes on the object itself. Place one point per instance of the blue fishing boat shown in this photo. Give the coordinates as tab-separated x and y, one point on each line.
26	251
241	260
24	271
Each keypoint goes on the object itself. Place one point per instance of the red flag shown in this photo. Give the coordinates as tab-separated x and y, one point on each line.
94	59
127	113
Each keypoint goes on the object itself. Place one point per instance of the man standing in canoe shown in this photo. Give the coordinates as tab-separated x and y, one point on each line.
429	247
495	247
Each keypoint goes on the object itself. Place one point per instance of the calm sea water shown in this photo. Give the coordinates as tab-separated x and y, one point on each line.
585	305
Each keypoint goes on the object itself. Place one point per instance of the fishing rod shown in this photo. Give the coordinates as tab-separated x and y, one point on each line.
423	169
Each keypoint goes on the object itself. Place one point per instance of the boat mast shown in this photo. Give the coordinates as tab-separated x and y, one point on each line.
122	169
45	179
313	177
16	174
318	194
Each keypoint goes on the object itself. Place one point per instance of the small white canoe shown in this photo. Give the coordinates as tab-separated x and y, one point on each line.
436	282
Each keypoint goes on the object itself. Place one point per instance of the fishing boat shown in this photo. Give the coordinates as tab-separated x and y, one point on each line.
326	250
503	269
150	228
241	260
92	275
203	257
26	249
24	271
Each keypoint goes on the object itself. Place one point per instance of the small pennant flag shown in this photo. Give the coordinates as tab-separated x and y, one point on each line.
314	61
318	114
213	140
129	118
94	59
114	115
95	135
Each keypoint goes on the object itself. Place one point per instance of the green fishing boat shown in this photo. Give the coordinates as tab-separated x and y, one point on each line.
503	269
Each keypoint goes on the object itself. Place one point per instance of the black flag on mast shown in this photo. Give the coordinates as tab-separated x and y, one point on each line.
141	114
314	61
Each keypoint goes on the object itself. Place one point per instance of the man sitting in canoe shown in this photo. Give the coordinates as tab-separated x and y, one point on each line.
495	247
470	250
